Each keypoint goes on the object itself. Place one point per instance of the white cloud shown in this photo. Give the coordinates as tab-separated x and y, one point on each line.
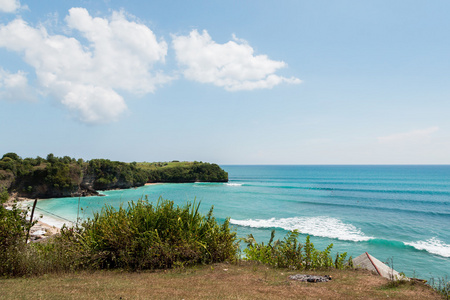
232	65
10	6
14	87
88	79
94	102
410	136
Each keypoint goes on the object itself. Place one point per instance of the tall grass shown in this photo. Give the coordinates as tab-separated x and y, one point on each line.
289	253
441	285
13	232
147	236
142	236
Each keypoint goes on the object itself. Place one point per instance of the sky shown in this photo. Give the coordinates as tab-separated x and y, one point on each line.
228	82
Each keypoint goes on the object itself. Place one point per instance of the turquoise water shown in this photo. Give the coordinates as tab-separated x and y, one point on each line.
393	212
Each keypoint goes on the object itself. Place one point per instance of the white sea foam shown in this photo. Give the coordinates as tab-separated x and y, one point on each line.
316	226
433	245
233	184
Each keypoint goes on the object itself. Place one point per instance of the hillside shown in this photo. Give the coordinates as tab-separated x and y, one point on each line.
69	177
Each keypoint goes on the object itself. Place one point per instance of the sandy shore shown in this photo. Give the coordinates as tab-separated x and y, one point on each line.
46	225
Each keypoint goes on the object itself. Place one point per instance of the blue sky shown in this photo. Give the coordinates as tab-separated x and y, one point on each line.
231	82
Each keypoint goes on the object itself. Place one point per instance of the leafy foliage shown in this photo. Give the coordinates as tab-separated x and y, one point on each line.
115	174
13	229
289	253
176	171
4	196
147	236
142	236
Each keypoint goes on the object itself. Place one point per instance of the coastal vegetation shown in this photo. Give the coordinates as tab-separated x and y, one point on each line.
65	176
13	231
147	235
142	236
150	236
290	253
177	171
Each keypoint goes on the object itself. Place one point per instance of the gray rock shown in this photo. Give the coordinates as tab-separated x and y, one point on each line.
310	278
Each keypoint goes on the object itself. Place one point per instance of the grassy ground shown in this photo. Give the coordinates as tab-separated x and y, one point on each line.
220	281
157	165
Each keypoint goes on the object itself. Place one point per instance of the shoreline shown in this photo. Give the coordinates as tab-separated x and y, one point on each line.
45	226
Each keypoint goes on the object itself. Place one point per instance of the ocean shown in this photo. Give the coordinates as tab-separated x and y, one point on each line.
399	214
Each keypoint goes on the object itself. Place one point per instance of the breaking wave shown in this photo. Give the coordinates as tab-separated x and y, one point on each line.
316	226
433	245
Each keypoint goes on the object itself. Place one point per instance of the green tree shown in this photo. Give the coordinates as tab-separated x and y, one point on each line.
4	196
12	155
51	158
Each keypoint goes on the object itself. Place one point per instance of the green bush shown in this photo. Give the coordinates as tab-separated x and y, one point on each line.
289	253
147	236
4	196
13	230
143	236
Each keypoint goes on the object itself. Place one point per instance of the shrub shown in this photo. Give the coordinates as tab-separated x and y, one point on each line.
143	236
13	230
442	286
289	253
147	236
4	196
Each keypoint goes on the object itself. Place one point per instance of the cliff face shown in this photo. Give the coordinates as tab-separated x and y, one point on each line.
48	183
92	182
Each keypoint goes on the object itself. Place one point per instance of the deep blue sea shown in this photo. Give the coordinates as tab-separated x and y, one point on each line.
398	213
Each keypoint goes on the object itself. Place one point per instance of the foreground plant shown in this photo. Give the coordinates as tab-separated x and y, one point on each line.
289	253
148	236
13	232
142	236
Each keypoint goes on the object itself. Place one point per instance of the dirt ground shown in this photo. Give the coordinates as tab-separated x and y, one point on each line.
220	281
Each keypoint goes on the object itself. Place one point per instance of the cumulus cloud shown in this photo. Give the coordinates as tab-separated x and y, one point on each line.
410	136
10	6
14	86
232	65
89	79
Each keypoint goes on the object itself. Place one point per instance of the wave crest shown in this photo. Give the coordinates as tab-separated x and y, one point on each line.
316	226
433	245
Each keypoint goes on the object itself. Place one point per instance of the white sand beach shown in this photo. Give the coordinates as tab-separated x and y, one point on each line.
46	225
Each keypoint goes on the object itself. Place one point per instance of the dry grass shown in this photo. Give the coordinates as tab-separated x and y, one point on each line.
220	281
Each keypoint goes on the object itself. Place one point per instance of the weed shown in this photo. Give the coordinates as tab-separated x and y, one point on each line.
289	253
442	286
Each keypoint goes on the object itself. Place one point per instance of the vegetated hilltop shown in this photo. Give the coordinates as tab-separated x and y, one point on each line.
69	177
